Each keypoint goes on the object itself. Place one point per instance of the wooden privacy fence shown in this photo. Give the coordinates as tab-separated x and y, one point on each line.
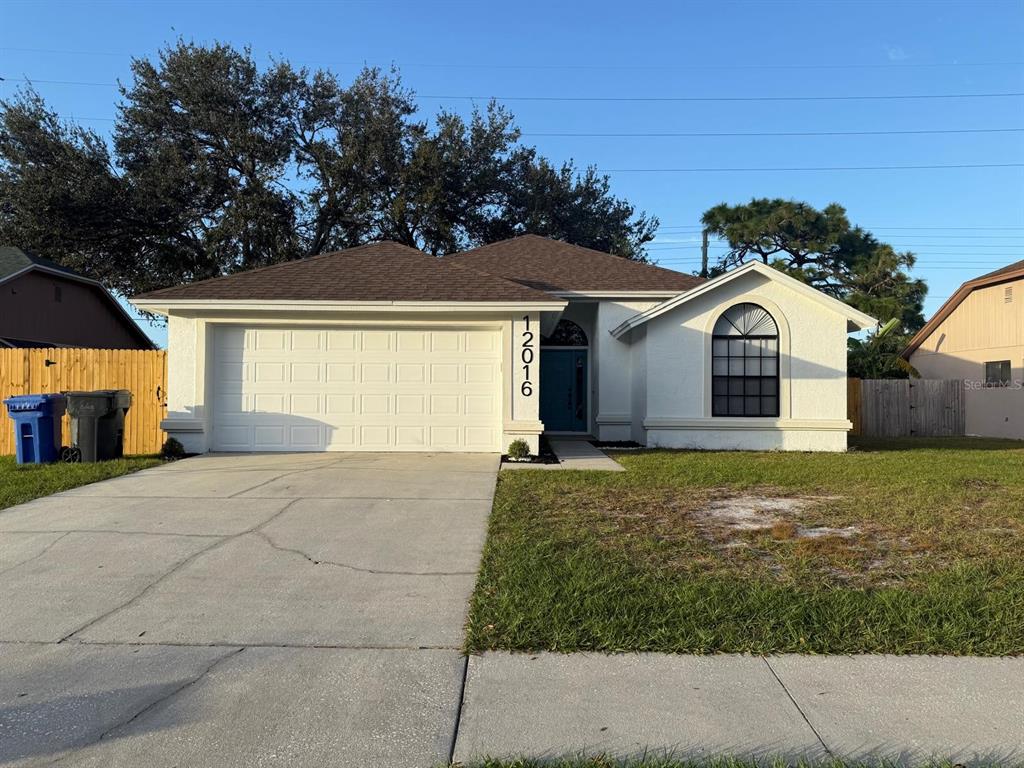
41	371
906	407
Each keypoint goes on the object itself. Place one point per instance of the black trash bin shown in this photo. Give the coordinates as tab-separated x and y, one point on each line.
97	424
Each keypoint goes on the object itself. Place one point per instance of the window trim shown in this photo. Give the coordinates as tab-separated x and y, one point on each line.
728	377
1001	382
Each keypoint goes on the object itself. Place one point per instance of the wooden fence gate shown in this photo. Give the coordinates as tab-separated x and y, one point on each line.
906	407
41	371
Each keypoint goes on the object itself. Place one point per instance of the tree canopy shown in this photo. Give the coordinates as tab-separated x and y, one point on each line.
218	165
821	248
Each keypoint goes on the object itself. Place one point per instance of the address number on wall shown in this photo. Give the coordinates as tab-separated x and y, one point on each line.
526	357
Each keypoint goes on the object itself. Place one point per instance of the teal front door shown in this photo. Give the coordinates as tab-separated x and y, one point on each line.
563	389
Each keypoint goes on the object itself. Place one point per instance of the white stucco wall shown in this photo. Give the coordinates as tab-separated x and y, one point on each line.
614	370
186	418
812	347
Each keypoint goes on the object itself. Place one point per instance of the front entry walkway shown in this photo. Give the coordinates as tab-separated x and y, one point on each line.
295	609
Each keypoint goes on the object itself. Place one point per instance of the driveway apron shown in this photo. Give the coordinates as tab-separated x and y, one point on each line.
249	610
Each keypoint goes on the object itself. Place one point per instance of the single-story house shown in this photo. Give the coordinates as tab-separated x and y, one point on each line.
977	336
44	304
384	348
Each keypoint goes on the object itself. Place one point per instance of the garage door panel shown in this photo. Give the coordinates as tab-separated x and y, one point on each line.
305	372
341	373
302	340
445	341
410	373
444	373
371	389
305	404
269	340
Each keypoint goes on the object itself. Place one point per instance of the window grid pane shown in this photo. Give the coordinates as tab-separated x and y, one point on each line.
745	379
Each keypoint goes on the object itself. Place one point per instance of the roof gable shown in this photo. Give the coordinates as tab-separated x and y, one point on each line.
557	266
375	272
15	262
856	320
1010	272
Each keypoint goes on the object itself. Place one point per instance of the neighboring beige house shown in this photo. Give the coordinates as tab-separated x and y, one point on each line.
978	336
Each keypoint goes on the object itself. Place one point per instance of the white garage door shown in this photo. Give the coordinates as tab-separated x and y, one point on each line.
366	389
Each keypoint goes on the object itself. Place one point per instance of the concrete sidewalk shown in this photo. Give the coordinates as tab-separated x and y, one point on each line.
862	708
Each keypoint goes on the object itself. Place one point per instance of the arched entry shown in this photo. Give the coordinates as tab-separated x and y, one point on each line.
564	378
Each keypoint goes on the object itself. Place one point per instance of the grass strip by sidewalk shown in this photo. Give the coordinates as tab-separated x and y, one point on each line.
906	548
21	483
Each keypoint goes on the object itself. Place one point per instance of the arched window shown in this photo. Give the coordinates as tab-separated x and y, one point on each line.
745	363
566	334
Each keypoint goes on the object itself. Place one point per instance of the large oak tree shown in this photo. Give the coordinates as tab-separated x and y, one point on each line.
217	165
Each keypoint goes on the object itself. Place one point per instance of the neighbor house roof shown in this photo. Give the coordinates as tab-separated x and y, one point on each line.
15	262
856	320
553	265
1010	272
376	272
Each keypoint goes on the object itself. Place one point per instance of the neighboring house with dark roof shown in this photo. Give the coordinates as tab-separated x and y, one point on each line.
977	336
43	304
384	348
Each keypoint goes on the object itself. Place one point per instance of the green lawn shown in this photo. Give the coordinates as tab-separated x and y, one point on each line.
911	546
23	483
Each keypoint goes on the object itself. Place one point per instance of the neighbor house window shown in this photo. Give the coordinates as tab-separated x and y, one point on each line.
745	363
997	374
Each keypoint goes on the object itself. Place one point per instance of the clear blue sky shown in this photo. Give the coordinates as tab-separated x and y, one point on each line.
962	222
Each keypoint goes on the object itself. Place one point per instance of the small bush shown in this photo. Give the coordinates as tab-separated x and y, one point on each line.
519	450
172	449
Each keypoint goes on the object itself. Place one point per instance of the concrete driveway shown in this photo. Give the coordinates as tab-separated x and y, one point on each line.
243	610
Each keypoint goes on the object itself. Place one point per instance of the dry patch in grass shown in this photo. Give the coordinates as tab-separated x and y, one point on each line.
762	531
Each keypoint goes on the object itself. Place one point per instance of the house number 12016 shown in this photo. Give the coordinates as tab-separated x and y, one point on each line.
526	355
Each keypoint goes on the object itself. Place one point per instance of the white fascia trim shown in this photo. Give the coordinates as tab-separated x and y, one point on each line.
246	305
727	423
614	294
87	281
857	320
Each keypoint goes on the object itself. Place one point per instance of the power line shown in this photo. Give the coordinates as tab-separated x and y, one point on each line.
991	227
857	97
723	134
962	247
601	66
761	134
812	168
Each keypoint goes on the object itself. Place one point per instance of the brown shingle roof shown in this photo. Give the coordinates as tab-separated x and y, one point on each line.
1013	271
384	271
553	265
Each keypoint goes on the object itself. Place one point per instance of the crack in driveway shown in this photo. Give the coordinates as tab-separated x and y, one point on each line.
177	567
151	705
348	566
38	554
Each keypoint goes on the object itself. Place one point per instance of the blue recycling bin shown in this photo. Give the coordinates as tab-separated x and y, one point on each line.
37	426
